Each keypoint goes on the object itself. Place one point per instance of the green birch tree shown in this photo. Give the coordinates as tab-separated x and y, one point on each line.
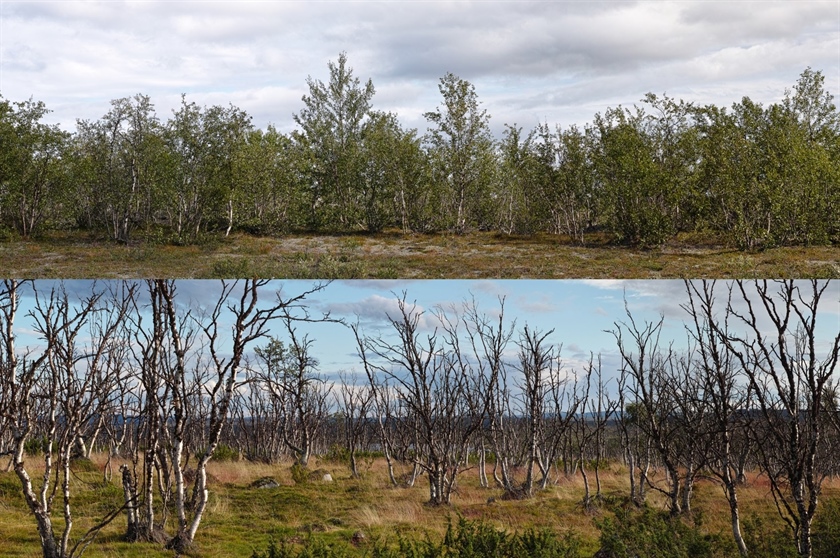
461	151
332	125
33	169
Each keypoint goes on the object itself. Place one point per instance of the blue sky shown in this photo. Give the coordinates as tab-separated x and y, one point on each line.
554	61
579	312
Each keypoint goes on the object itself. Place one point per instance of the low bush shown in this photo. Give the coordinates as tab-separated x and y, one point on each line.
225	453
631	533
465	539
313	548
300	474
765	541
36	446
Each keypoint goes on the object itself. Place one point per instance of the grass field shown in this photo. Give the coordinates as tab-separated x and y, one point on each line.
241	518
407	256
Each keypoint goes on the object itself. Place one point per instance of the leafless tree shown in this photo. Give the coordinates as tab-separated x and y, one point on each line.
503	432
256	416
634	441
289	374
789	372
188	376
154	354
240	302
433	380
356	402
60	386
535	360
547	404
589	422
722	394
647	367
562	403
489	338
391	426
692	421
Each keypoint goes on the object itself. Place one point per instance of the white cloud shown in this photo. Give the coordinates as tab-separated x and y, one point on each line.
530	61
376	312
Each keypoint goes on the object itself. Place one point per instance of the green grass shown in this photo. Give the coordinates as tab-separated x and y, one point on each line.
395	255
241	519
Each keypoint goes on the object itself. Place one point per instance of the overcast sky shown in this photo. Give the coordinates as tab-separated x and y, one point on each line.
559	62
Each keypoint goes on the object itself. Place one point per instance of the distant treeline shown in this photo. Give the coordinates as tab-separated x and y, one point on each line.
753	175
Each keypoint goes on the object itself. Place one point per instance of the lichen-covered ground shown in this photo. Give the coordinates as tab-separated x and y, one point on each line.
408	256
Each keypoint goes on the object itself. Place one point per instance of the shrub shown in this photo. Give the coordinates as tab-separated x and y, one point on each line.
338	454
313	548
652	534
299	473
224	452
37	445
466	539
477	539
763	541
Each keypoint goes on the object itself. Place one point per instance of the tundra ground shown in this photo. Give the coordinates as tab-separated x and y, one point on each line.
393	255
241	517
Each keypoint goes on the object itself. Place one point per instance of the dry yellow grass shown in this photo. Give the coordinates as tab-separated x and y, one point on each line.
240	518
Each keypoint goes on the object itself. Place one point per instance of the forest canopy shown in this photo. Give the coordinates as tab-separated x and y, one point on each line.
754	176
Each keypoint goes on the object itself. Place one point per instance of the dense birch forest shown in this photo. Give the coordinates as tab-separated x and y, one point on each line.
751	175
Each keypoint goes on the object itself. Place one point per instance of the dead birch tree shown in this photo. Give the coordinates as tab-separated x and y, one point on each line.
238	302
62	385
289	373
355	404
646	364
789	371
723	394
489	337
430	377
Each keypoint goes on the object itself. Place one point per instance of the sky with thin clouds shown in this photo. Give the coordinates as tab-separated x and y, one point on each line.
550	61
580	313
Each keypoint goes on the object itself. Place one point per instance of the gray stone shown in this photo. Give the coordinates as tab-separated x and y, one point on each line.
265	482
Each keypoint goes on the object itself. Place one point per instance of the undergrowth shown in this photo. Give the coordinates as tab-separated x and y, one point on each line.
466	539
632	533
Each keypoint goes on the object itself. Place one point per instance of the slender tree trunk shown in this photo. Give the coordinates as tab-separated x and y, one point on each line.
586	494
354	470
598	479
687	490
496	466
415	472
229	216
390	463
482	463
674	492
68	517
180	487
42	517
732	497
132	532
148	485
